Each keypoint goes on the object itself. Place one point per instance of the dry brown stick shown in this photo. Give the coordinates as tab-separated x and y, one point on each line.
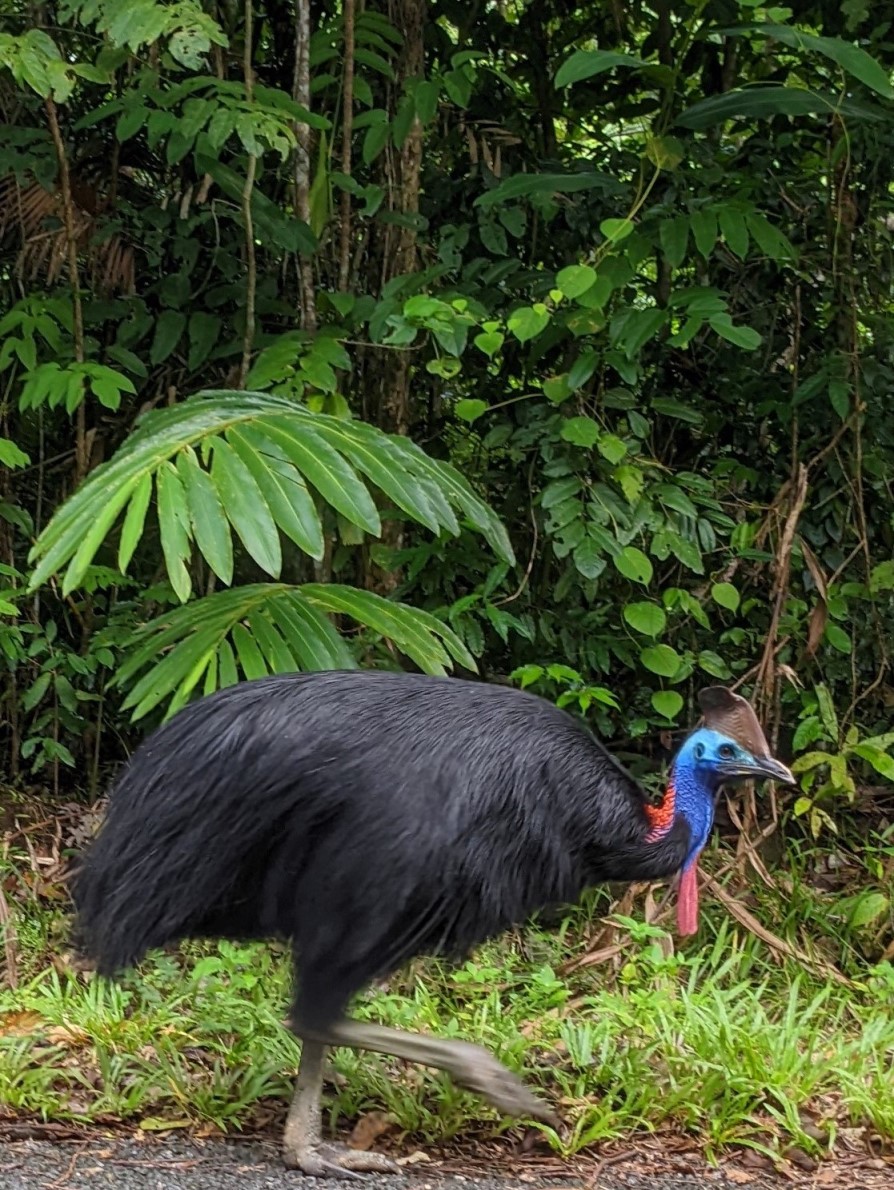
74	277
750	922
783	564
344	261
251	261
10	942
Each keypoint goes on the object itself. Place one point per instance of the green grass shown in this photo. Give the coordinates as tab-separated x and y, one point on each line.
718	1041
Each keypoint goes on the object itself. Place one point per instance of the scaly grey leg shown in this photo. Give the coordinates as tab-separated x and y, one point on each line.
303	1145
469	1065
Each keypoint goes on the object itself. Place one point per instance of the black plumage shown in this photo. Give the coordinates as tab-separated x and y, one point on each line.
366	816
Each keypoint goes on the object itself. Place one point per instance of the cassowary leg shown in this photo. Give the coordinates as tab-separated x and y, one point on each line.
303	1145
469	1065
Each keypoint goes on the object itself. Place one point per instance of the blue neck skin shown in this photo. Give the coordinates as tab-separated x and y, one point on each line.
694	782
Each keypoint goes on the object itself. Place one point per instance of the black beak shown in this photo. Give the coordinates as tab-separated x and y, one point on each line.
757	768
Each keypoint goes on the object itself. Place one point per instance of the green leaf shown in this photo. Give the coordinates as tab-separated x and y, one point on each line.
673	235
173	524
616	230
670	407
769	239
528	321
560	490
421	637
556	389
426	98
582	369
374	142
853	60
741	336
575	279
634	565
712	663
869	907
428	490
612	448
726	595
11	456
589	559
661	660
734	230
667	703
246	507
93	536
470	409
580	431
168	332
524	185
880	761
277	655
765	101
704	230
134	520
838	638
647	618
390	462
204	330
250	657
665	152
489	342
840	397
882	577
291	504
584	64
326	470
210	527
458	86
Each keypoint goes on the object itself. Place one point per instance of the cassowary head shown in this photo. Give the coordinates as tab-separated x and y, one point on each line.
730	746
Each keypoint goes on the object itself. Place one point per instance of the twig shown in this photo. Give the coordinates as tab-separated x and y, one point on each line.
74	277
532	557
783	566
10	941
251	280
344	262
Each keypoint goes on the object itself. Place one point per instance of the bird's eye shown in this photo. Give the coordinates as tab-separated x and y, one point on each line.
726	751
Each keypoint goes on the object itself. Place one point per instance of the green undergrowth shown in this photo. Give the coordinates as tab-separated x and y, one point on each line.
718	1041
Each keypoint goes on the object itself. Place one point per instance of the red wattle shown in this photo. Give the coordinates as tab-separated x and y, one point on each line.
687	899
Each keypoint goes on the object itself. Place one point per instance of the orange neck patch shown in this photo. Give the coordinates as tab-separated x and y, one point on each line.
661	817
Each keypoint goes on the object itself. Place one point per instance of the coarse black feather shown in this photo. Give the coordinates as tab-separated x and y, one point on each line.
368	817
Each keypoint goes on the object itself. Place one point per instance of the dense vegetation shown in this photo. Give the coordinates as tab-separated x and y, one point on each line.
545	338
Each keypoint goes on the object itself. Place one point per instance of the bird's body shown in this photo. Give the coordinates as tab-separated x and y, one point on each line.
370	817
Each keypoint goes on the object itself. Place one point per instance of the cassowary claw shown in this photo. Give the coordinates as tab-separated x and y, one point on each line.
336	1161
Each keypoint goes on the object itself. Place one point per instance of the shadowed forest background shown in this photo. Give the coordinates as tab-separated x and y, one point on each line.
545	339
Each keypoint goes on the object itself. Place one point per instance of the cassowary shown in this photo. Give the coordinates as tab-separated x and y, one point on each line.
370	817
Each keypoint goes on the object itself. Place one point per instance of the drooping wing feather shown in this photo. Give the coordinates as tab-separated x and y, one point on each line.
733	716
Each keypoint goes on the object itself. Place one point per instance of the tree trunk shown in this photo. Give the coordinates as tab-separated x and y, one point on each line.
387	375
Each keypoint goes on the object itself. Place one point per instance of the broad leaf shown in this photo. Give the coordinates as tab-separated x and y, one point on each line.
661	660
647	618
271	628
584	64
275	451
767	101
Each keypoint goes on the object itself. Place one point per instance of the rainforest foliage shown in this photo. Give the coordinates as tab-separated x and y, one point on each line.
537	337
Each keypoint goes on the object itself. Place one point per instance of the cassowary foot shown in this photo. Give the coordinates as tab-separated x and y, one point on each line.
326	1160
480	1072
